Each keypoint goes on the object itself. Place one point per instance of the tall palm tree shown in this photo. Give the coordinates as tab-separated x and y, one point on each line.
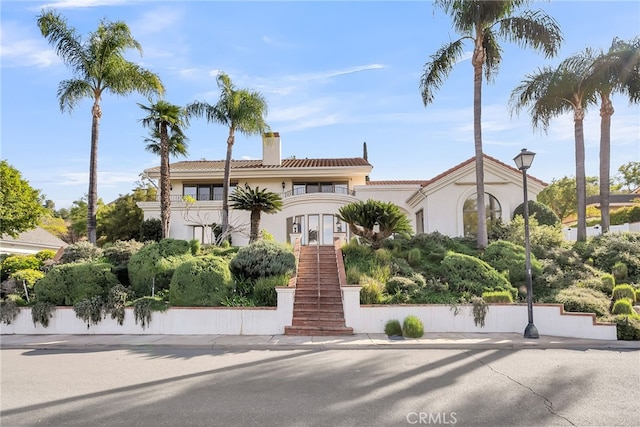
617	71
255	201
166	120
99	66
241	110
552	92
483	23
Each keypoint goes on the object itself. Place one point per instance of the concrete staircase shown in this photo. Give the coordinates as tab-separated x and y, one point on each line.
317	308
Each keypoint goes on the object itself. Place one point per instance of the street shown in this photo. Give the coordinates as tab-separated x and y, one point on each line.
179	386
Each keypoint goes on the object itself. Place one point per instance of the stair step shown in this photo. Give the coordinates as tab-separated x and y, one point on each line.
308	321
317	331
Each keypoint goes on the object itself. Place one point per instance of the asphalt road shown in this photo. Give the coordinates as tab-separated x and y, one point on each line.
184	387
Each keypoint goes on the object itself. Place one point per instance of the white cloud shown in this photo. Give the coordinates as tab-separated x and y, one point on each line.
159	20
74	4
17	49
325	75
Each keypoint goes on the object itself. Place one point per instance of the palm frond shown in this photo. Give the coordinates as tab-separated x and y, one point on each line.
71	92
533	29
437	70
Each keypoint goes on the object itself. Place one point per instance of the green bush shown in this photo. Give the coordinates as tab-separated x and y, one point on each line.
194	244
9	310
29	276
506	256
608	282
144	307
465	273
264	291
412	327
154	264
583	300
620	271
623	306
637	298
543	214
400	284
14	263
41	312
393	328
371	291
628	327
414	256
151	230
497	297
81	251
623	291
68	284
606	250
89	310
263	259
45	254
121	251
200	282
542	237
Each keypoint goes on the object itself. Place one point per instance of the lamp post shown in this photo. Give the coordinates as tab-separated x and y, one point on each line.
523	161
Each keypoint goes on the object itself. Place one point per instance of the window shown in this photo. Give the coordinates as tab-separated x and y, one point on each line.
320	187
206	191
420	221
470	213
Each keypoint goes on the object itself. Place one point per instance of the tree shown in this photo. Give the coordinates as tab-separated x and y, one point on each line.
120	220
374	220
99	66
618	70
630	175
483	23
240	110
255	201
552	92
561	195
20	205
165	121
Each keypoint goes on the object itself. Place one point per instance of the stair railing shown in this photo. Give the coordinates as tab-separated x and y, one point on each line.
318	278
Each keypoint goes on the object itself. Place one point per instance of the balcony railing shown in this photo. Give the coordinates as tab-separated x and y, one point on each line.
295	192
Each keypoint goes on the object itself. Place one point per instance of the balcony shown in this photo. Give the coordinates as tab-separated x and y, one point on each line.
323	189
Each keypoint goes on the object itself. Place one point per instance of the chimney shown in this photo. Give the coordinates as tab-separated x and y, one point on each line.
271	152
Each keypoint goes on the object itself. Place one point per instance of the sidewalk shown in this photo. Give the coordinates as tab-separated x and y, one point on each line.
453	341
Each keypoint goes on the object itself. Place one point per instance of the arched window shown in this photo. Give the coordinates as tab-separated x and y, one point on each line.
470	213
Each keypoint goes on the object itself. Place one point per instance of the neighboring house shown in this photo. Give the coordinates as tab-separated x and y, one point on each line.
30	242
313	190
617	200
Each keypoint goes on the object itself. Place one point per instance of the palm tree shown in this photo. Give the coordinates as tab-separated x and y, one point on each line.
483	23
255	201
99	66
618	70
240	110
374	220
165	120
552	92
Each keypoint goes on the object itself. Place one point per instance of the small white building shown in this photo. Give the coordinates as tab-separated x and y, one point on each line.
30	242
313	190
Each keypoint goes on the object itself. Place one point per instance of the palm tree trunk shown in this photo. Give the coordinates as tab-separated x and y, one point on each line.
92	202
478	61
581	183
606	111
255	226
227	182
165	185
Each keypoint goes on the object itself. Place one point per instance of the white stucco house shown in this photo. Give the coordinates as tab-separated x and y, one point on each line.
313	190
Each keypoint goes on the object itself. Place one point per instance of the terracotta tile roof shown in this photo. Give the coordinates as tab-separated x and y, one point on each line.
204	165
420	182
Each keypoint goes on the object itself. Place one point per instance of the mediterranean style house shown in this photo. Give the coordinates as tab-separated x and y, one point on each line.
313	190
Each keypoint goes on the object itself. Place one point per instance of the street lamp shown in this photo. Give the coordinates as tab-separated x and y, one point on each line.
523	161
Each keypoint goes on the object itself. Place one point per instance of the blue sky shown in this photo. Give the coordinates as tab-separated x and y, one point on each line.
335	74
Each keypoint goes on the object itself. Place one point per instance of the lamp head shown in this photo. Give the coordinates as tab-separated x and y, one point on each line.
524	159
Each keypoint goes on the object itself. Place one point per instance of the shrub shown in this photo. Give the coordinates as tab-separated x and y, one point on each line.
623	291
9	310
194	245
414	256
121	251
412	327
116	302
68	284
393	328
628	327
41	312
583	300
400	284
81	251
29	276
151	230
637	298
200	282
480	309
353	274
237	301
14	263
45	254
608	282
263	259
543	214
144	307
606	250
620	271
497	297
371	291
89	310
623	306
154	264
264	292
506	256
542	237
465	273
